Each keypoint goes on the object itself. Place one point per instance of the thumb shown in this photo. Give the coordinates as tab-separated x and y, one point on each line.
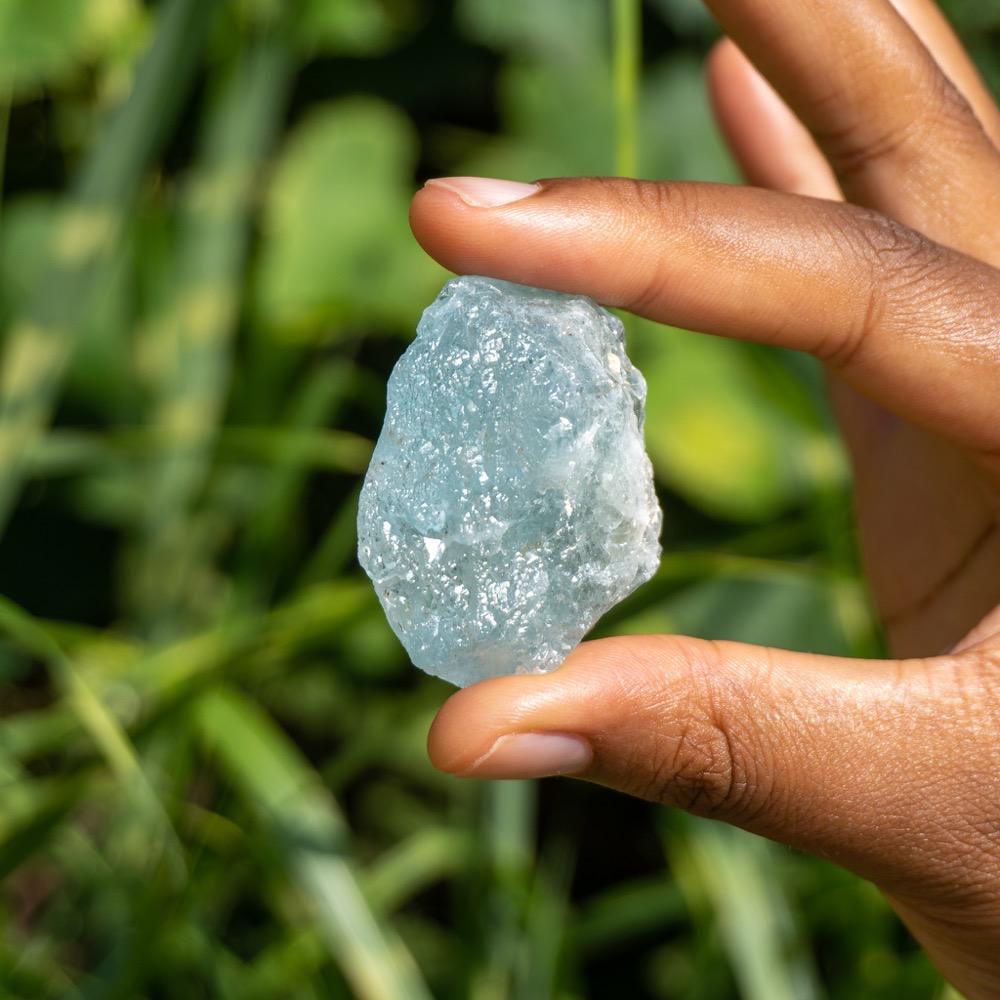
861	762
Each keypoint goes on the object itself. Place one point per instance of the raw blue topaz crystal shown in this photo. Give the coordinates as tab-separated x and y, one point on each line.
509	502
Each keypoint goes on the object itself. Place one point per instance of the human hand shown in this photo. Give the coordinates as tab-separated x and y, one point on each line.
887	767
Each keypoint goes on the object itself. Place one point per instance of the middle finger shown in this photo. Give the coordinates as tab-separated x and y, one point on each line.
898	134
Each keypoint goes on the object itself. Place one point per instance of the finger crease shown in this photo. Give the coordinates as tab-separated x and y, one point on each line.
921	604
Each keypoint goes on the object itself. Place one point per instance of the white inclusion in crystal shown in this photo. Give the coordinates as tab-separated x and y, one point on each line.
434	548
509	502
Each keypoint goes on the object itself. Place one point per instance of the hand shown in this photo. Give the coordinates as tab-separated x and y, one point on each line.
870	242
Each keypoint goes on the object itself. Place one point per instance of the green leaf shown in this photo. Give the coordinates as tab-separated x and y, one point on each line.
43	41
539	30
338	250
427	856
557	95
269	771
686	17
714	434
624	912
797	612
354	27
679	138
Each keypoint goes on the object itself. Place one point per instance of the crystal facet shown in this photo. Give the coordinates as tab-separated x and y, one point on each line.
509	502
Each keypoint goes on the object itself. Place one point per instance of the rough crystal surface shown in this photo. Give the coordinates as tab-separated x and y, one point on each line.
509	502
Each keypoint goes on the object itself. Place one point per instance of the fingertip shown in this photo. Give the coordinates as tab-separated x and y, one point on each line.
478	730
771	146
452	744
442	201
471	721
429	206
724	63
484	192
536	725
452	229
532	755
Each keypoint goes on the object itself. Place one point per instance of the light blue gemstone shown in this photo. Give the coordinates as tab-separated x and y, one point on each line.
509	502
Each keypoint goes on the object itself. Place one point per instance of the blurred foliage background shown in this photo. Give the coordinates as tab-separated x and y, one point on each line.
211	746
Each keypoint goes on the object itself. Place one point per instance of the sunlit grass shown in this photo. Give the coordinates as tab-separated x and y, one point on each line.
626	16
39	345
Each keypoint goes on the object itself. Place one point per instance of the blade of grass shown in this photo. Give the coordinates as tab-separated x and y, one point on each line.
28	735
948	992
40	342
735	873
546	923
510	826
626	32
104	730
627	911
100	724
33	809
6	101
158	679
426	857
314	403
65	452
303	822
200	325
508	833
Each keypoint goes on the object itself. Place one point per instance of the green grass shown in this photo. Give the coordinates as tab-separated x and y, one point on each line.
213	779
627	69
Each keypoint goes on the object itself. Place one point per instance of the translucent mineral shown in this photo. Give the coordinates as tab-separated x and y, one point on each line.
509	502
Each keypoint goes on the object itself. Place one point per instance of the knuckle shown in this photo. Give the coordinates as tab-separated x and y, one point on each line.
648	201
854	151
701	775
859	146
900	273
714	765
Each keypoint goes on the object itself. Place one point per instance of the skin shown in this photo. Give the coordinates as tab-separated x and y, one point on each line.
868	239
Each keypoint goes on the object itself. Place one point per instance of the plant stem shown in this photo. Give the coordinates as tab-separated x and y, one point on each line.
626	32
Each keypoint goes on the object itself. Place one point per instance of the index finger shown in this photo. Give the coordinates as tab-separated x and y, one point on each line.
907	321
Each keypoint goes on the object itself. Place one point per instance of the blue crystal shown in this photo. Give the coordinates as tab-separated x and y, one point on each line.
509	502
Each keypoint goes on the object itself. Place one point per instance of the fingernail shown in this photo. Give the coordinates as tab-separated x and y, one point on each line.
485	192
532	755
